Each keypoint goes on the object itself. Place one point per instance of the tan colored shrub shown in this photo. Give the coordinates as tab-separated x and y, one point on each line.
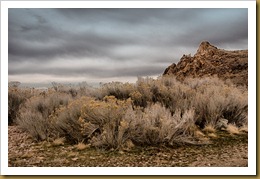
136	96
104	119
143	86
215	101
16	98
33	122
117	89
34	114
211	98
156	125
151	112
65	120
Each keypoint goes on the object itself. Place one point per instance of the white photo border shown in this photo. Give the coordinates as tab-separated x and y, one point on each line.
250	170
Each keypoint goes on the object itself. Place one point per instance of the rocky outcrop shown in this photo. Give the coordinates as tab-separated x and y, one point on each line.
211	61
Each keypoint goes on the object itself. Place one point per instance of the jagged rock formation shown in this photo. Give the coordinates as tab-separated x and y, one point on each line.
210	61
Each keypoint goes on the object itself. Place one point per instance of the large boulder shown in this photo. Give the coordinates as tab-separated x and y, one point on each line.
211	61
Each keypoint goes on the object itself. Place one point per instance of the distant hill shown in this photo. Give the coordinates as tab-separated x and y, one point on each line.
210	61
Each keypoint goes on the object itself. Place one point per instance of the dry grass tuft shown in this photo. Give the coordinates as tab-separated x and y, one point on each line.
209	128
59	141
46	144
81	146
129	145
212	135
232	129
199	134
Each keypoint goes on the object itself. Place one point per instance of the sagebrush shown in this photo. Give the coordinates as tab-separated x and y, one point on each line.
149	112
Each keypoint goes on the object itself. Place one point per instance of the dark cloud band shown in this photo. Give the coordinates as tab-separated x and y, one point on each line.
121	42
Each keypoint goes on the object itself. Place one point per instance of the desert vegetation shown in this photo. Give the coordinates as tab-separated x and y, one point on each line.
117	115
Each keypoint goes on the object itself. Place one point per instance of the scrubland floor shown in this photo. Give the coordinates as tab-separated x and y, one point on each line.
224	151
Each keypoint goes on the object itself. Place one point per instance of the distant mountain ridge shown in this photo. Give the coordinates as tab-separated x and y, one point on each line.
210	61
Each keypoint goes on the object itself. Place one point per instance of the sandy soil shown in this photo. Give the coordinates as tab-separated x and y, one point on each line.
229	151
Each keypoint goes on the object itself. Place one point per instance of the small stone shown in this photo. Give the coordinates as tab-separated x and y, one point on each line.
74	159
222	124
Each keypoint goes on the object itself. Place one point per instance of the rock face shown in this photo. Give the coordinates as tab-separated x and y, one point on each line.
211	61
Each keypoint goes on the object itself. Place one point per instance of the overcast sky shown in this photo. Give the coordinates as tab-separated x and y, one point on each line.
102	45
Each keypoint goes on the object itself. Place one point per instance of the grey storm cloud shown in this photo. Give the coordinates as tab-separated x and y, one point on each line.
106	43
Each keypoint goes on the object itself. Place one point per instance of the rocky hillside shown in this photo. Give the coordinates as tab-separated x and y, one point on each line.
211	61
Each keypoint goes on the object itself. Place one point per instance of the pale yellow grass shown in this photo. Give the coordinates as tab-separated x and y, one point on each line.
232	129
128	145
58	141
212	135
199	134
46	144
209	129
81	146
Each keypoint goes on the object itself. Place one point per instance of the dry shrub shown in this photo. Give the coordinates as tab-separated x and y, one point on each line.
173	94
138	99
35	112
151	112
156	125
168	91
117	89
113	123
65	120
16	98
34	123
214	100
211	98
84	89
163	111
101	121
143	91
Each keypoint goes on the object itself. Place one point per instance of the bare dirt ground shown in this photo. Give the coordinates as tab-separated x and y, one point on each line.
224	151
